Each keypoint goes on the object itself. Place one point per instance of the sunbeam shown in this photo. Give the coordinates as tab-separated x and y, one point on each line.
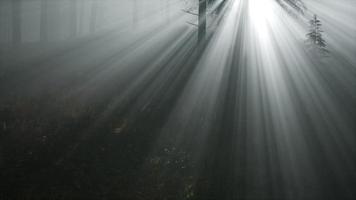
178	99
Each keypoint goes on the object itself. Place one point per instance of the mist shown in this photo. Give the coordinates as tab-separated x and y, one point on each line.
177	99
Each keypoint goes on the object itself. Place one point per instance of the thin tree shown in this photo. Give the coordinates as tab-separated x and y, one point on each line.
315	37
44	22
202	20
73	18
94	15
16	21
202	14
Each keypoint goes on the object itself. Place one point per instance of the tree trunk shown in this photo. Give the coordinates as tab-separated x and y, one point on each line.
16	21
94	15
44	21
73	18
202	20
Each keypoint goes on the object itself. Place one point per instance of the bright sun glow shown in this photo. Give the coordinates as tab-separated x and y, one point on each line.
261	13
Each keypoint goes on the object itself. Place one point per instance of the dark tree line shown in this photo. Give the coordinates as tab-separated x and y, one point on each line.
75	17
69	18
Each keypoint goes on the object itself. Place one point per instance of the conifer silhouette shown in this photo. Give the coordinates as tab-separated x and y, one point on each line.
314	37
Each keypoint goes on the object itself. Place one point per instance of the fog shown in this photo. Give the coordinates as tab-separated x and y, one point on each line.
172	99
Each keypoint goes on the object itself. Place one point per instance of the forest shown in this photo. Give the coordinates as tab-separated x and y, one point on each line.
178	99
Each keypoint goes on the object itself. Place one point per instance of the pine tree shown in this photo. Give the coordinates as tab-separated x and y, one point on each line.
314	37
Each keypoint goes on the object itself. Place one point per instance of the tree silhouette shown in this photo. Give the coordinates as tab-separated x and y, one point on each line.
16	21
44	21
73	18
202	19
314	37
94	15
204	9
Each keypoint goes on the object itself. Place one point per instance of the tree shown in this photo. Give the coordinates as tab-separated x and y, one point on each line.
202	20
295	8
16	21
202	16
94	15
314	37
73	18
44	22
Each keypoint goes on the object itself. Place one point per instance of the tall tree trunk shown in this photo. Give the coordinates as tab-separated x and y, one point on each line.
81	16
94	15
44	21
202	20
16	21
73	18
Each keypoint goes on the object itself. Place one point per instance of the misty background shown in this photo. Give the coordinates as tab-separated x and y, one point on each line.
172	99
